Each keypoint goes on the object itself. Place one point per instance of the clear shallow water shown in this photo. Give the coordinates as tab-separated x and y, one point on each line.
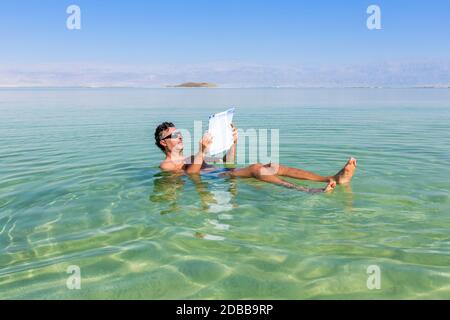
80	185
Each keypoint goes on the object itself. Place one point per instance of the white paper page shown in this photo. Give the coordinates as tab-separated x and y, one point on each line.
221	131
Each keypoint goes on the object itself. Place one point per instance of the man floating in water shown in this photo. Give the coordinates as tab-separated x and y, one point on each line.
170	141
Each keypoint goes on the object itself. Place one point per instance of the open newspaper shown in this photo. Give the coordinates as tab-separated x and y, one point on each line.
221	131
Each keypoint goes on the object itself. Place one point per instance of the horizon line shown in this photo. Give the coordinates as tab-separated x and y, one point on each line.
228	87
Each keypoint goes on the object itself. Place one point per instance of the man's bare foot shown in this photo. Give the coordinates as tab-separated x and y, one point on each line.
330	186
346	173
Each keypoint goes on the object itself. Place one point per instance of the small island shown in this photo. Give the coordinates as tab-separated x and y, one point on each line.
195	85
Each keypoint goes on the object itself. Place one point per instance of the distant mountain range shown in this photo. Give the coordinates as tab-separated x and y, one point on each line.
194	85
423	73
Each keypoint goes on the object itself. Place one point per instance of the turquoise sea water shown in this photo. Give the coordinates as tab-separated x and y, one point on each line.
80	185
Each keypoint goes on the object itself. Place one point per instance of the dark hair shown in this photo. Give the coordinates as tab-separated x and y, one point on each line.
163	126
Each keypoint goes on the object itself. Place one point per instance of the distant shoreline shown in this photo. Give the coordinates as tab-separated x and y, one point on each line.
194	85
215	87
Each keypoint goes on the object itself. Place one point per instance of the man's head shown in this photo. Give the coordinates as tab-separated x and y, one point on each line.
168	138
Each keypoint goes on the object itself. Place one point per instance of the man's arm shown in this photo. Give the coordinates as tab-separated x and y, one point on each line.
204	144
230	156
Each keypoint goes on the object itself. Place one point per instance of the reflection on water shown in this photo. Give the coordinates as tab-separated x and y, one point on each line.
216	194
206	196
214	197
348	197
167	188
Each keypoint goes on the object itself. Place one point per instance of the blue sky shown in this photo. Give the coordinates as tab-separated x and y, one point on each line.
245	33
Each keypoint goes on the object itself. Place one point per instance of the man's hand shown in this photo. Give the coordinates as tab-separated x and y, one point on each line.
235	134
205	142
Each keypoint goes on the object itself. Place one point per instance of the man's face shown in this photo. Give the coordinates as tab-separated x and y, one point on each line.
173	140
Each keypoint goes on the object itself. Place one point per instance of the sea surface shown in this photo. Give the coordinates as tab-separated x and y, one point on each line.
80	189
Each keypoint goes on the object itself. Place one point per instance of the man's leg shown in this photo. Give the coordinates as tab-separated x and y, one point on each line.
343	176
264	173
301	174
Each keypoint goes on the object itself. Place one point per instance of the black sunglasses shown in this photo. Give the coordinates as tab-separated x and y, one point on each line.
173	135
